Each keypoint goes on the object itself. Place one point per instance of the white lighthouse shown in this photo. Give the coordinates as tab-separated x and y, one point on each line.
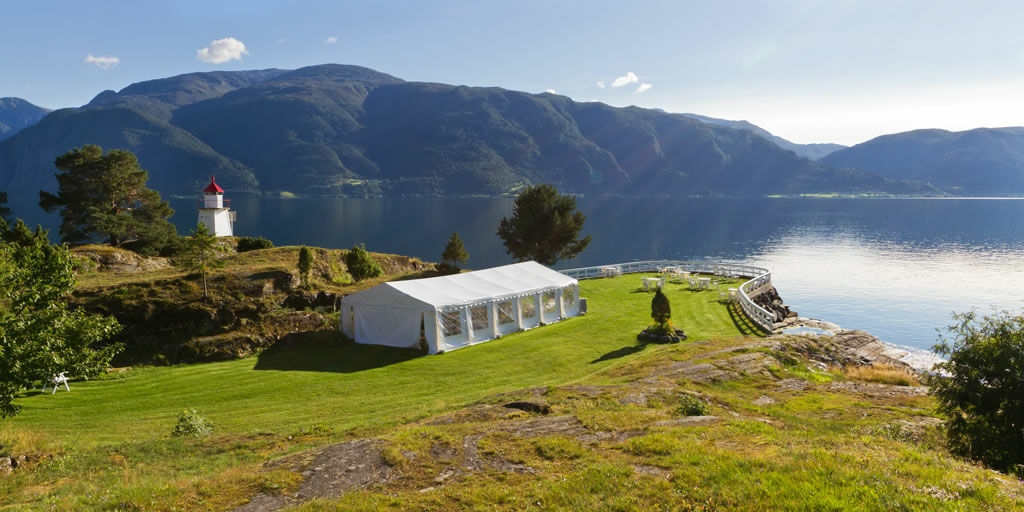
215	212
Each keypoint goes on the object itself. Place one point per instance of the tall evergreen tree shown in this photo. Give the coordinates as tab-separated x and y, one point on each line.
455	252
104	196
305	264
544	226
200	254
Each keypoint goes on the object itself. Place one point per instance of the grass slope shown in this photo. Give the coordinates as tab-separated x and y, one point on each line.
364	387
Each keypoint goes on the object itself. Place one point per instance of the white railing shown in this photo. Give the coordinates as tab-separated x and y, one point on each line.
760	280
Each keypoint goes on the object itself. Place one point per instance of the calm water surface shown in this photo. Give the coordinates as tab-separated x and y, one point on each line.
894	267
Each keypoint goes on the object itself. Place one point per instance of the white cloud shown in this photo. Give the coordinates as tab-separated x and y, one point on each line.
104	62
331	40
600	83
283	40
628	78
643	87
222	50
550	91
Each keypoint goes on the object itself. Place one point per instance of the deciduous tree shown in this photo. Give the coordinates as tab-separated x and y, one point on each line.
200	253
980	388
40	334
544	226
104	196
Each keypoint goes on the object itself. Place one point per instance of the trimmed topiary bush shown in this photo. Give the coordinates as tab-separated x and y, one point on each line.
248	243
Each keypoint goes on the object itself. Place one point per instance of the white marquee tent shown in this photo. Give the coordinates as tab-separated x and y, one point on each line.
450	312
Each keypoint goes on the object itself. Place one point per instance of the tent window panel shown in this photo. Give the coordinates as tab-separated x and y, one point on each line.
451	324
479	315
569	294
506	312
529	305
549	300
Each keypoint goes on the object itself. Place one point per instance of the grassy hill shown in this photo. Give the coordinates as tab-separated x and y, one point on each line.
333	426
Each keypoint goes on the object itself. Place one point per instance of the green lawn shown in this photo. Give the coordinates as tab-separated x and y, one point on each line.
366	388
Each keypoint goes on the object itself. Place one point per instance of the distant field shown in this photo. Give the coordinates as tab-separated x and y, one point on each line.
366	387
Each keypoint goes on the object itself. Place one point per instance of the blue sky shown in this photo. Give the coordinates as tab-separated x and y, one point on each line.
810	71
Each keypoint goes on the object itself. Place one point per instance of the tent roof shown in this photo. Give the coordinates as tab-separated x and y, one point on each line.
465	288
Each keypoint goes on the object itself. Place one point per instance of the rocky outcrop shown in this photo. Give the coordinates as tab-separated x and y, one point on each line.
770	300
118	261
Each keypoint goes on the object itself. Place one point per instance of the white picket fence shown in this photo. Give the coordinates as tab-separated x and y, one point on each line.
760	280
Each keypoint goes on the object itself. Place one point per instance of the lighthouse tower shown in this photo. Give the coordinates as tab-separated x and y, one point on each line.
215	212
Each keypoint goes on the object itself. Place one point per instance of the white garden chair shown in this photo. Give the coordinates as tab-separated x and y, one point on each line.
56	381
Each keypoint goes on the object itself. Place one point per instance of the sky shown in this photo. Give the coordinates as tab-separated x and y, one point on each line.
807	70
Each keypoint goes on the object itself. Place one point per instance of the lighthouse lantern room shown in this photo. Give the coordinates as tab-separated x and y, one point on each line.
215	212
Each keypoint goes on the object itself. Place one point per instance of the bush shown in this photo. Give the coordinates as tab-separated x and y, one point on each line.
980	388
661	310
360	264
248	243
191	424
445	268
690	405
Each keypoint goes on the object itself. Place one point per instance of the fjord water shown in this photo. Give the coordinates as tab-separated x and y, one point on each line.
896	268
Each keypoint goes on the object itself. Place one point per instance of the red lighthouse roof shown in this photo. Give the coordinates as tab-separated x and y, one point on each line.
212	188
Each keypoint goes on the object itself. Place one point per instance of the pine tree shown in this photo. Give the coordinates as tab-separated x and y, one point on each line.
305	264
105	196
454	253
544	226
661	310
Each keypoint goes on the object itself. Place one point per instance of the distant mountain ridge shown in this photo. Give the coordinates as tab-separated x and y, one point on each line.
812	151
17	114
981	161
348	131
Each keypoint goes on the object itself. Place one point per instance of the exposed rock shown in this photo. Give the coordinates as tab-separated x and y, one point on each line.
119	261
552	425
224	347
765	400
530	406
687	421
343	467
770	300
792	385
651	335
634	399
300	300
6	467
280	280
655	471
876	389
867	347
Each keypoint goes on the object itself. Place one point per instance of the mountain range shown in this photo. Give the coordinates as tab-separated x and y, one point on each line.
17	114
811	151
983	161
348	131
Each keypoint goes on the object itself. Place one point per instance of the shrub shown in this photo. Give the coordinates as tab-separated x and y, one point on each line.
980	388
690	405
248	243
360	264
445	268
191	424
305	264
661	310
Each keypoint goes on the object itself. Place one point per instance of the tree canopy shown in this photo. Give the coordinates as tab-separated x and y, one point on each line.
200	253
4	210
980	388
104	196
544	226
40	335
